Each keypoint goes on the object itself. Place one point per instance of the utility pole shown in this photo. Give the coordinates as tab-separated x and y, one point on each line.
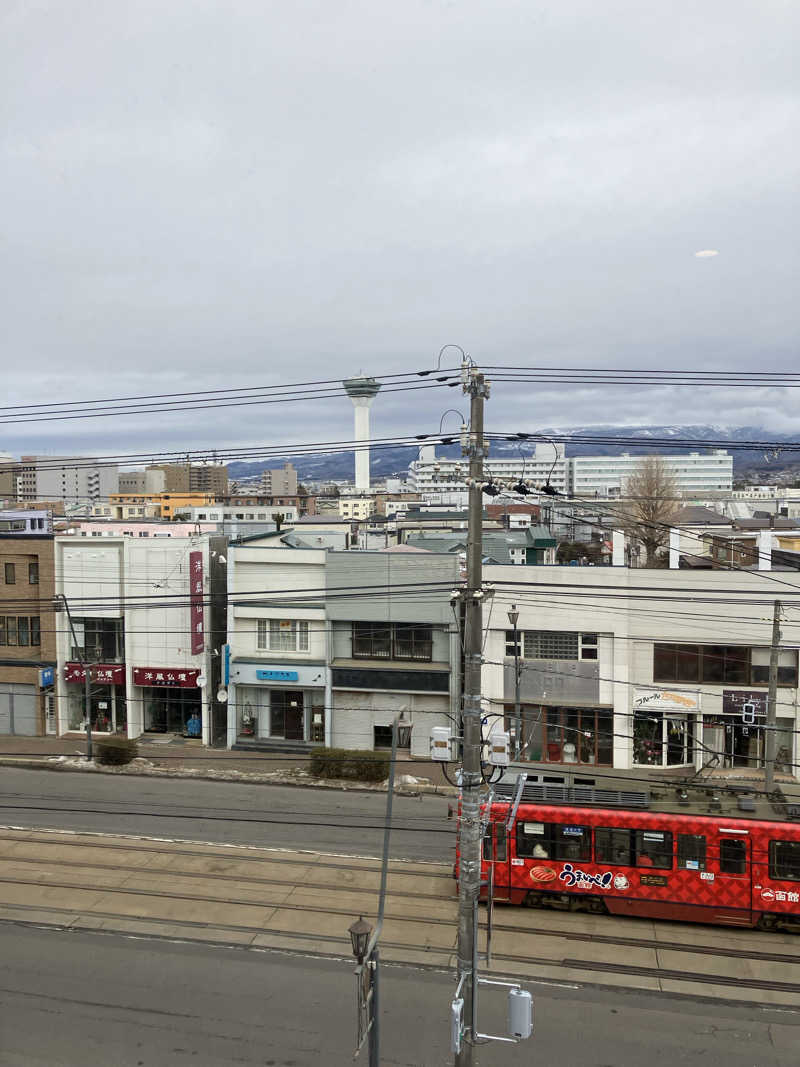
772	700
87	678
471	775
513	618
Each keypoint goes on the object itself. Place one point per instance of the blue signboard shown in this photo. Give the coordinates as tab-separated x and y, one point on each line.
277	676
226	664
47	677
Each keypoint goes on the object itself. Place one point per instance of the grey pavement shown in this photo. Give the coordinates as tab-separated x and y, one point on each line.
228	812
70	999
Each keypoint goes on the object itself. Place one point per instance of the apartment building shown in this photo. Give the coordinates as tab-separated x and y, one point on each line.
444	480
27	634
76	480
280	482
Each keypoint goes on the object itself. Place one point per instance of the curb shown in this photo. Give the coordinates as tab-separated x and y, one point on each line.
48	763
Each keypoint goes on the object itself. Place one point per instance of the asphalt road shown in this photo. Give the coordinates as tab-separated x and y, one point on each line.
229	812
98	999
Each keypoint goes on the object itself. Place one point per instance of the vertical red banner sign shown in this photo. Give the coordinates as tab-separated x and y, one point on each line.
196	601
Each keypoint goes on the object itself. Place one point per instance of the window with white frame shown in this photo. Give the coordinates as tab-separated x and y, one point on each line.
553	644
283	635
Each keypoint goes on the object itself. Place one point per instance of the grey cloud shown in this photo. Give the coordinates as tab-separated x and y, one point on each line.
201	195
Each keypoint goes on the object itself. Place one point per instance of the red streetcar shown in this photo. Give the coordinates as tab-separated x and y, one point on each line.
709	855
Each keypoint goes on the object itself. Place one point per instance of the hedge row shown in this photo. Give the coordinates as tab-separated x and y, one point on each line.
360	766
115	750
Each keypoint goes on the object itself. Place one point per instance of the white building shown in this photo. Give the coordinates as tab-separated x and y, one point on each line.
239	513
700	474
444	480
73	479
340	645
279	687
149	618
642	668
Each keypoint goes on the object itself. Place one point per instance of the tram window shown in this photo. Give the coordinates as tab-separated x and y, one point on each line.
784	860
732	856
654	849
501	848
612	846
691	852
501	851
554	841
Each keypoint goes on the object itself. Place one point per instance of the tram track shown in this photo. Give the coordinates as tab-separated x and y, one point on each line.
346	883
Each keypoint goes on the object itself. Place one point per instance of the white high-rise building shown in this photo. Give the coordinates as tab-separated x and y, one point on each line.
445	479
698	474
362	391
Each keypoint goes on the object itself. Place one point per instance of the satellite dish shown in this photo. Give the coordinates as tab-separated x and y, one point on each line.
201	680
222	694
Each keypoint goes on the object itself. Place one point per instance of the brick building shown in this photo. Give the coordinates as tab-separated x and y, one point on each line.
27	635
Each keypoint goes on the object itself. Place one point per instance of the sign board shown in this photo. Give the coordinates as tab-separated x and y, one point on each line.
47	677
277	676
99	673
196	601
180	677
750	705
666	700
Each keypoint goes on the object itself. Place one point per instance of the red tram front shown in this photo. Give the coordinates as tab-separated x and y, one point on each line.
689	866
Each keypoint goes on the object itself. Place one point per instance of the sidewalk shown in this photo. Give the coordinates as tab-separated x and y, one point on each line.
188	758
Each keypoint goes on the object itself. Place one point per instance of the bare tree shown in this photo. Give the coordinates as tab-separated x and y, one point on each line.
650	506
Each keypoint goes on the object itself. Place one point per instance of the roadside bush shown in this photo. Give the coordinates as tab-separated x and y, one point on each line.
115	751
354	764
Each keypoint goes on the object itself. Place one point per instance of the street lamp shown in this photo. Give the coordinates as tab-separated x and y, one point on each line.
513	618
359	935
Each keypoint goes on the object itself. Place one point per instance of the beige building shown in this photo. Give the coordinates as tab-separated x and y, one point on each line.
282	482
356	507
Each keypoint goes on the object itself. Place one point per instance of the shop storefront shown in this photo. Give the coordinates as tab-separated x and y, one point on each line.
171	699
107	698
664	727
283	702
553	734
738	733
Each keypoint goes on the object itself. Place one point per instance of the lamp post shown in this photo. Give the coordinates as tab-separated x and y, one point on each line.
513	618
359	935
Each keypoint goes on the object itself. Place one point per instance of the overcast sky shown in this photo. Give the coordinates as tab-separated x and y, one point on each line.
203	194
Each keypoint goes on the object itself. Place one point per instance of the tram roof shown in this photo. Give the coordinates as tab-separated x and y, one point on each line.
732	799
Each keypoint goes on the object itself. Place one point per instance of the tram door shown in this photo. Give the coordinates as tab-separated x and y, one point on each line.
495	855
733	888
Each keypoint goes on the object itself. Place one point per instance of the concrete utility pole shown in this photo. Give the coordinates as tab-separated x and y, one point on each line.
772	700
87	677
471	775
513	618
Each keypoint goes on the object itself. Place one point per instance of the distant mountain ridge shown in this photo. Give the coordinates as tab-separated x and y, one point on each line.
394	460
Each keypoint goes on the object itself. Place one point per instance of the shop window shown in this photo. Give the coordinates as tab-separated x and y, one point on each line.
613	847
653	849
662	740
784	860
10	574
550	644
691	852
732	856
33	573
554	841
571	735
